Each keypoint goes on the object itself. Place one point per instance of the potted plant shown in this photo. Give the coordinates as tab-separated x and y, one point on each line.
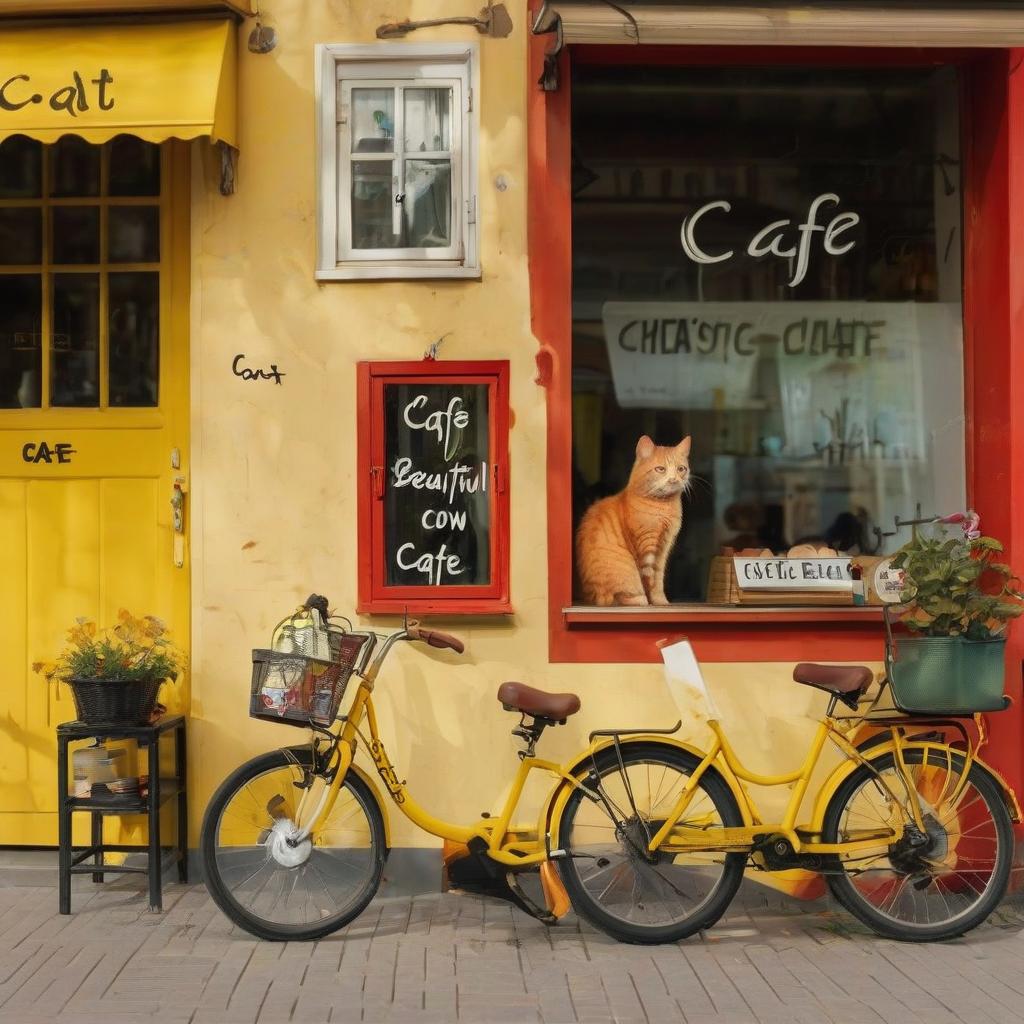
116	672
959	599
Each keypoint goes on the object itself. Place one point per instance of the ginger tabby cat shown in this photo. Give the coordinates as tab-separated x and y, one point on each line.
623	541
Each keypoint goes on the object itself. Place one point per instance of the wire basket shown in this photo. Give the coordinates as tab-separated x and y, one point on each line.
299	690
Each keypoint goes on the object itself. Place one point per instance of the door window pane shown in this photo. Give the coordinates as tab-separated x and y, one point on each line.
134	167
74	367
134	234
768	262
21	168
21	235
74	168
134	338
76	234
428	203
373	120
373	204
428	120
21	307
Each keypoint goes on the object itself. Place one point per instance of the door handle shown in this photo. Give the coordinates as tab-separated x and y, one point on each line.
178	520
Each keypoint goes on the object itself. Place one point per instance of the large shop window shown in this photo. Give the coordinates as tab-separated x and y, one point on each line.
397	162
766	261
80	264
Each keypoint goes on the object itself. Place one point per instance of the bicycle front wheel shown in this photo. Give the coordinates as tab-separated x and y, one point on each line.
610	879
270	885
923	886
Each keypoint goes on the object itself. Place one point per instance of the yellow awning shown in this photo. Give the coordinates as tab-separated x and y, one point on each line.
156	81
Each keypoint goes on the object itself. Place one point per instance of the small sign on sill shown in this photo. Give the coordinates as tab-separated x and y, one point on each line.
793	573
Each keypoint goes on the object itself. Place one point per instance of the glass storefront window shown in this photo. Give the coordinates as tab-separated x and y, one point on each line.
79	234
768	261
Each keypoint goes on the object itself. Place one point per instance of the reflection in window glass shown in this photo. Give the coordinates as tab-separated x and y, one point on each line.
133	234
76	234
428	120
74	360
134	338
134	167
21	168
21	235
373	205
21	308
428	203
769	262
74	168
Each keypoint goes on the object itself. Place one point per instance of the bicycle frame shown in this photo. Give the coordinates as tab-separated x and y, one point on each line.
519	847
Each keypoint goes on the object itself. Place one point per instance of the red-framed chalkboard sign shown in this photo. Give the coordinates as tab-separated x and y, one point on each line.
433	487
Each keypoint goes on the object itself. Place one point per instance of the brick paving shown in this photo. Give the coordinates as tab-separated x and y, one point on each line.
446	958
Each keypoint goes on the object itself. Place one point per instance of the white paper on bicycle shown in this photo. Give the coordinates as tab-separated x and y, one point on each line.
686	682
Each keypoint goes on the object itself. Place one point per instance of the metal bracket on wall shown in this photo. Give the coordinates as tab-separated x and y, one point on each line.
493	21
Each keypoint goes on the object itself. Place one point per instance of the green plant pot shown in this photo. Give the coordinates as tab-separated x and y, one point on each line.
947	675
115	701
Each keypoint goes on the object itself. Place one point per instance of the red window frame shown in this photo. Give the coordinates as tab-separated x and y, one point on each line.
993	157
374	596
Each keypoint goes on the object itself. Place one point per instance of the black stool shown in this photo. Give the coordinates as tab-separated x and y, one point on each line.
70	859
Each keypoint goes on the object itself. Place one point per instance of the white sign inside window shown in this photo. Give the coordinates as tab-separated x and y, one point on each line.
793	573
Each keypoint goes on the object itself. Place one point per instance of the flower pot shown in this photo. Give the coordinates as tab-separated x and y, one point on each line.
115	701
947	675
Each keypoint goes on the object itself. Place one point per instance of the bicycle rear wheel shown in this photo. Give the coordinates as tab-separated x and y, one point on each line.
927	886
267	884
609	880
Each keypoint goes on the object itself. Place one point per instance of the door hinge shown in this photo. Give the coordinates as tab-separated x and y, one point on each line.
471	210
377	480
469	100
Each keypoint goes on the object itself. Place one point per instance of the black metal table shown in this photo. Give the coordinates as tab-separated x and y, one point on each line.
71	860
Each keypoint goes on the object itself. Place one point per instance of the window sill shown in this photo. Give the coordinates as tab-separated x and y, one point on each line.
583	615
398	272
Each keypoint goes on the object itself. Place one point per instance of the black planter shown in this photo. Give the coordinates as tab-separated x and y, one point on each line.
114	701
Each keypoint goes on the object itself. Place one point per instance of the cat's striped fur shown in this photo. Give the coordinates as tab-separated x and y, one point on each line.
623	542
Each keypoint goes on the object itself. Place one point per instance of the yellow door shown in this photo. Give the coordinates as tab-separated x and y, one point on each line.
93	425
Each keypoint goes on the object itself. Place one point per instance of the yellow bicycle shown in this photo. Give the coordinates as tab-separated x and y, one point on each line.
646	836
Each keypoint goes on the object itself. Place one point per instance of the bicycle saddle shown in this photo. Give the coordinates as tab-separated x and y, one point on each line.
536	703
847	682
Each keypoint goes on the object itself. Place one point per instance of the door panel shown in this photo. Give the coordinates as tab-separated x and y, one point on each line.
86	472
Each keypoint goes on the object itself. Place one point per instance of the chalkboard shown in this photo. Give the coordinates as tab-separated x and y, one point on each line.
438	485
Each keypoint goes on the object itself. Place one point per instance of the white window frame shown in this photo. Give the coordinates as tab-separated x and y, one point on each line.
341	66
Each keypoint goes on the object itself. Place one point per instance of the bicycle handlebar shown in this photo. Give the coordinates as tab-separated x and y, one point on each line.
435	638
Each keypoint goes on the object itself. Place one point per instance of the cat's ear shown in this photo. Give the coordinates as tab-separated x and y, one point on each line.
684	446
644	448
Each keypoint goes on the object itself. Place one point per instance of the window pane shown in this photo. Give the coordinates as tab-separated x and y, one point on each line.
21	168
428	203
373	120
373	205
74	366
134	167
76	234
74	168
134	338
769	263
21	234
21	308
428	120
134	234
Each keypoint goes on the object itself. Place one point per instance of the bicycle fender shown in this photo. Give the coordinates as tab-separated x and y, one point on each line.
372	786
836	779
551	811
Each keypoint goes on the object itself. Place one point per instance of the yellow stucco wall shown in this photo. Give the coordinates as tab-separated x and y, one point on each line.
273	491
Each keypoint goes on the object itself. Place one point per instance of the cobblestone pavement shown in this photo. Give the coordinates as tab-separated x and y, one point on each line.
451	957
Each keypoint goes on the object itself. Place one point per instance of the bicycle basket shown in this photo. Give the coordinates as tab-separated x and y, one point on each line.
299	690
945	675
